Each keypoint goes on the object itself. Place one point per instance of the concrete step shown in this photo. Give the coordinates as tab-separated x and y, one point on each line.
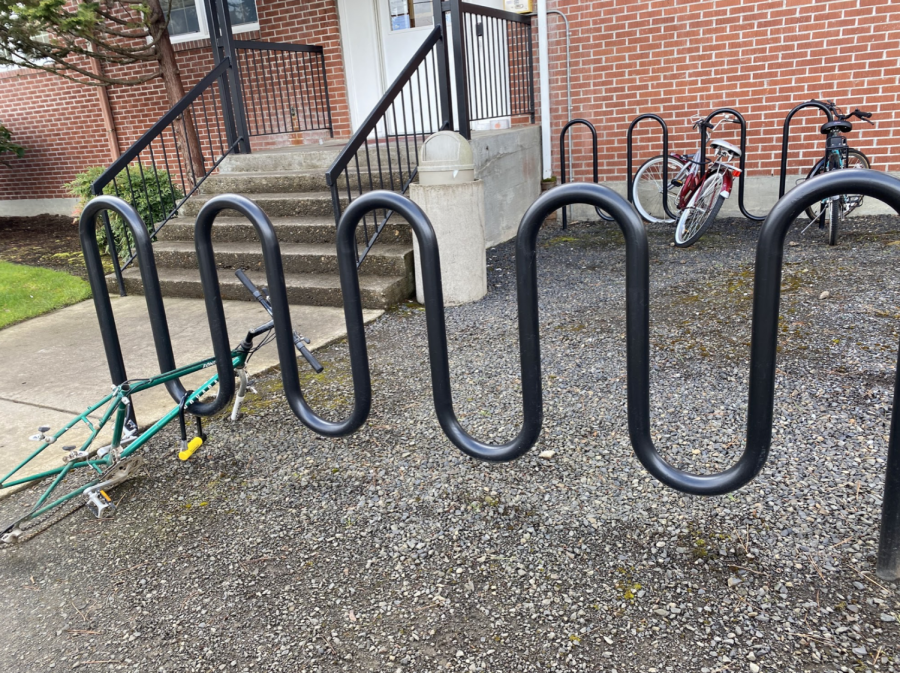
287	229
273	182
279	204
311	157
306	258
377	292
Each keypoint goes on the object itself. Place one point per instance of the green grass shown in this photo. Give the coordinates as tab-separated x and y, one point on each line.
28	291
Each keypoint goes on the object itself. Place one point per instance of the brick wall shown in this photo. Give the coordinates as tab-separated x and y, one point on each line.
677	58
60	123
671	57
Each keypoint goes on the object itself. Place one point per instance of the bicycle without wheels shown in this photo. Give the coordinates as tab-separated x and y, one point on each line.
694	192
838	156
92	471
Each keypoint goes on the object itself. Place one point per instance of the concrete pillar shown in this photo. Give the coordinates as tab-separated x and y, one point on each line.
456	212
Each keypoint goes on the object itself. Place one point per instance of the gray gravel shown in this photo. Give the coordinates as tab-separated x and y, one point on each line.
275	550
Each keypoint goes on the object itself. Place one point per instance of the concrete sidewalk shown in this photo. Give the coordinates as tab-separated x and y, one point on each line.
56	366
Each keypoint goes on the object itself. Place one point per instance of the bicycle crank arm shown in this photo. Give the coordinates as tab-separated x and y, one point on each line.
98	502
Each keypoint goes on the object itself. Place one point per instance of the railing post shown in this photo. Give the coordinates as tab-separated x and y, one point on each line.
443	66
222	42
459	70
212	20
531	70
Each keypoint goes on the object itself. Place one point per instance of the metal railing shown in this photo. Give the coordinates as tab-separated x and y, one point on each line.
498	53
384	152
284	86
167	165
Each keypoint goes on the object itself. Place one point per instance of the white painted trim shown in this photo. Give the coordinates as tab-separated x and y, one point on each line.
544	58
360	48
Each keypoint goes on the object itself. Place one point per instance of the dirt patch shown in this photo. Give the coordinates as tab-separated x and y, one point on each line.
49	241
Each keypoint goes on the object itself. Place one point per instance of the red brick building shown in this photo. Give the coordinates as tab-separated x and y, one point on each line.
671	57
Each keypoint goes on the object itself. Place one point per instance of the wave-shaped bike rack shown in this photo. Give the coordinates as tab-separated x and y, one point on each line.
785	136
562	162
629	157
767	294
743	161
153	294
287	357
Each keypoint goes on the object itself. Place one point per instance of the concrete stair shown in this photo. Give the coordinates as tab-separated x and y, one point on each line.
289	185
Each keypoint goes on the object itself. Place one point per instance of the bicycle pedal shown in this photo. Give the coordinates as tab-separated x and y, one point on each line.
100	504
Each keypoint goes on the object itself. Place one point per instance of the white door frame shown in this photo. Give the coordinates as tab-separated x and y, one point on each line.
362	55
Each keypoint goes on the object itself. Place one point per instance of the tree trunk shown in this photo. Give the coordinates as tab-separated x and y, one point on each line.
186	132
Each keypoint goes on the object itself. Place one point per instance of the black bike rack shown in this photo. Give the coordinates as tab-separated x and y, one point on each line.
767	289
562	162
629	149
786	133
153	295
287	357
743	161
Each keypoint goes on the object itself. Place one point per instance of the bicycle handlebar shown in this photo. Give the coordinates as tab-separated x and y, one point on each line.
831	105
299	341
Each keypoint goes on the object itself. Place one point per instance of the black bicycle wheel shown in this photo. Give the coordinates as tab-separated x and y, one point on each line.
856	159
700	212
834	217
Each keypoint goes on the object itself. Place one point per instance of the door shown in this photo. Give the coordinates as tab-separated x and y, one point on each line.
404	26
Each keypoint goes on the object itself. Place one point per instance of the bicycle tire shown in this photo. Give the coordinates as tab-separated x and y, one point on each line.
856	159
700	212
834	216
648	180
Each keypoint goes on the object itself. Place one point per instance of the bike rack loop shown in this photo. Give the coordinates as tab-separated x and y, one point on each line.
153	295
359	359
766	293
629	150
767	289
529	346
562	162
743	161
786	133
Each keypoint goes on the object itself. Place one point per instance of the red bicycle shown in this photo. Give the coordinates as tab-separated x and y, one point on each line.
694	192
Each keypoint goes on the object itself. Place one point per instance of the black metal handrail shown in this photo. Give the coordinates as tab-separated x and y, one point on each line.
284	86
171	171
384	151
498	52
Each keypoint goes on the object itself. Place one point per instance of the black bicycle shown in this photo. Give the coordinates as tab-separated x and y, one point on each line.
838	156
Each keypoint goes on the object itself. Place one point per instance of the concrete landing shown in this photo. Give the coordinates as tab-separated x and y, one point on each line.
56	366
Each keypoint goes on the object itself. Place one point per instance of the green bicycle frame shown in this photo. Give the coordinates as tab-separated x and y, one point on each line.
116	403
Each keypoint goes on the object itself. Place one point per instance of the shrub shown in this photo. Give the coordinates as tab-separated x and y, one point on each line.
7	146
149	190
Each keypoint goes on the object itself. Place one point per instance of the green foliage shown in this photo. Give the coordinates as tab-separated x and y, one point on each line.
57	35
27	291
7	146
149	190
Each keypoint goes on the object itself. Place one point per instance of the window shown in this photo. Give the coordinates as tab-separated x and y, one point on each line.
187	19
410	14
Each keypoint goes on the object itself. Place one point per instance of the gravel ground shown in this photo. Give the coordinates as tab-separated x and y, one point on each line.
275	550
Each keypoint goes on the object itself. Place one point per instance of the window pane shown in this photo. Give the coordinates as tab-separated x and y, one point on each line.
242	11
183	18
